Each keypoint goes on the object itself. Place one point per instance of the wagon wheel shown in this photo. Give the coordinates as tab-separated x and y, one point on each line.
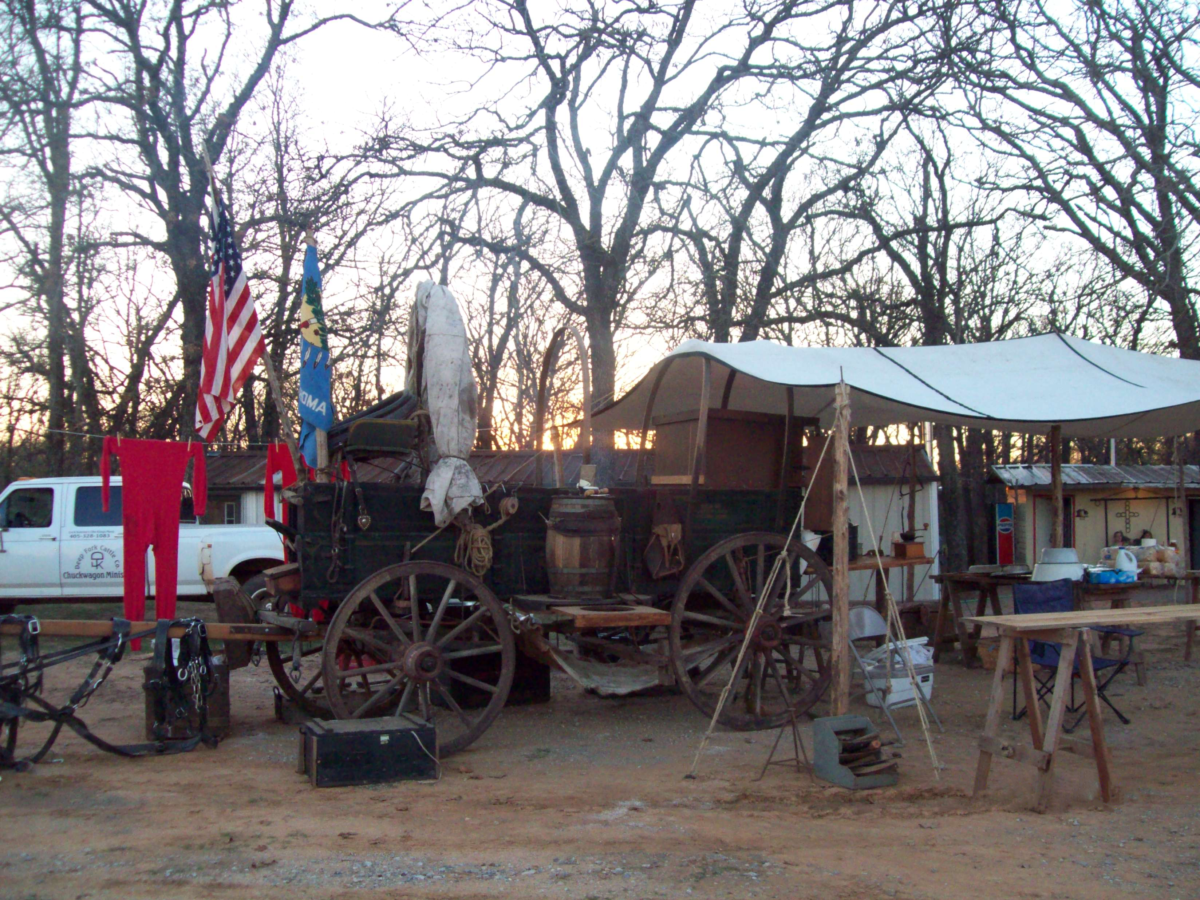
307	691
785	668
418	637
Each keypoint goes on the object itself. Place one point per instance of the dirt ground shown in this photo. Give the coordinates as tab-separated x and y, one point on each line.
585	798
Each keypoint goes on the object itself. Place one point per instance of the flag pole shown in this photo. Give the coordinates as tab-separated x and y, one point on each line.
285	422
322	435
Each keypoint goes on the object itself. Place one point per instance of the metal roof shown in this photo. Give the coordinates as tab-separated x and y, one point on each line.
244	470
888	464
240	469
1086	475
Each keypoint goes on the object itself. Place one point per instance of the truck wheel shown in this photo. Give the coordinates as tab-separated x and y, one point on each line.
255	587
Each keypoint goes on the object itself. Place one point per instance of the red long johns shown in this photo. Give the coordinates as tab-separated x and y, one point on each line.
151	488
279	459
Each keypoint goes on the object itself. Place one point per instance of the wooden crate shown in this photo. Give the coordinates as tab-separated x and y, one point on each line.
367	751
989	654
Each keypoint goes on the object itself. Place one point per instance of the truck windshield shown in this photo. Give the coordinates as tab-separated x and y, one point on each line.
28	508
89	511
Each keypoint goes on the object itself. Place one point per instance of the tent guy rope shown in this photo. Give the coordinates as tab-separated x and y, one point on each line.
782	561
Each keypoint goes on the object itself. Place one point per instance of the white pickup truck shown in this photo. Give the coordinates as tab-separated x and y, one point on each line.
57	543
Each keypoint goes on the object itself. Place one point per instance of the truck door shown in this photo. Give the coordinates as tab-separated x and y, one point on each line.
29	524
92	546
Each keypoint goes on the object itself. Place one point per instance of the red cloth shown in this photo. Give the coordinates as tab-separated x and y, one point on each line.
279	459
151	488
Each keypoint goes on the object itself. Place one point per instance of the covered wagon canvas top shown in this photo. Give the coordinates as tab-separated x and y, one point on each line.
1025	385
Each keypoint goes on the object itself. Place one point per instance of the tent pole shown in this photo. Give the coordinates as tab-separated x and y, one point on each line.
1056	489
840	656
785	461
647	420
698	461
1185	533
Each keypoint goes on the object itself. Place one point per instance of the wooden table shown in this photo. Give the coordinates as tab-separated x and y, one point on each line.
986	587
1119	596
1067	629
887	563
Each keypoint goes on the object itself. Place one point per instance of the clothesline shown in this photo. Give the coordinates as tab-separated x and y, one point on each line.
102	436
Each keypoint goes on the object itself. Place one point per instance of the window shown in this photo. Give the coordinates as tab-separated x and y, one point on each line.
231	513
28	508
187	510
89	511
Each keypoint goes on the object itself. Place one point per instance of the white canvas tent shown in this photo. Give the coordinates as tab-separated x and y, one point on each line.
1025	385
1049	383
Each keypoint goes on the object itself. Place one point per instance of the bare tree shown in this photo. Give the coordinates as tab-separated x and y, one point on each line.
172	103
41	70
1095	107
615	92
846	87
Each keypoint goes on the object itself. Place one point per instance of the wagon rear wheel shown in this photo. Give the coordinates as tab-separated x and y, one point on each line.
421	638
785	669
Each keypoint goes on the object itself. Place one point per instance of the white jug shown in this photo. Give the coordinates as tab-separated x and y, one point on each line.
1125	561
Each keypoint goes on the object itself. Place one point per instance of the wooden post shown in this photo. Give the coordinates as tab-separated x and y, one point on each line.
1056	491
322	456
910	574
840	656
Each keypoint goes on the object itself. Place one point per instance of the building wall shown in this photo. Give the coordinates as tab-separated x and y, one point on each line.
1129	511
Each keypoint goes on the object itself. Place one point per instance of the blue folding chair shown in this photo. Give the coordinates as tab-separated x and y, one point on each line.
1053	597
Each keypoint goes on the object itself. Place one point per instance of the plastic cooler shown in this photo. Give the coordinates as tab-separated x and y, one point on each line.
900	691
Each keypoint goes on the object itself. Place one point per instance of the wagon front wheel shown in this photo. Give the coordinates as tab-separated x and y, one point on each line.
422	639
784	669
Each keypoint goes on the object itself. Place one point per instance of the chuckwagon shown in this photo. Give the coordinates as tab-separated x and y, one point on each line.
392	614
387	620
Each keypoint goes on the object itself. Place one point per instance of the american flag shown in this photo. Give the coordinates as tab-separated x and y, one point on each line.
232	339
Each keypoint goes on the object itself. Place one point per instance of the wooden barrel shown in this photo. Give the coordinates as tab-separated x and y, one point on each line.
581	546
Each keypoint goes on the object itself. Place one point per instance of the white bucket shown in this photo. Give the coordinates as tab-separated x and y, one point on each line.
811	540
